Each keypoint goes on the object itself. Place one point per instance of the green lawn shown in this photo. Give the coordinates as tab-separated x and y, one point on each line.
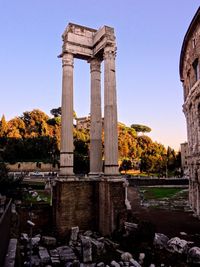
159	192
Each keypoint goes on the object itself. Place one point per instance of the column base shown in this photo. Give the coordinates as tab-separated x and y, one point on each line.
111	170
95	174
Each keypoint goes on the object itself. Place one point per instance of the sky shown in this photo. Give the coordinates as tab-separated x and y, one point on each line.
149	36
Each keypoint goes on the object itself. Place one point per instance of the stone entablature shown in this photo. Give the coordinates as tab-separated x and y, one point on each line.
190	77
85	43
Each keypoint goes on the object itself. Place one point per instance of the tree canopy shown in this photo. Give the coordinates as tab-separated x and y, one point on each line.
139	128
35	136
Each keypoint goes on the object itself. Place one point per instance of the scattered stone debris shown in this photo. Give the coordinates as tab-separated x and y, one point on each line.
160	240
193	255
178	245
89	249
49	240
44	255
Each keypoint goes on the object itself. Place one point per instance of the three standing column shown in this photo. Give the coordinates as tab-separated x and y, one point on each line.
110	113
96	118
67	146
110	116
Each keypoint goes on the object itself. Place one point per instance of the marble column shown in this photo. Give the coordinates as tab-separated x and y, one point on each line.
197	200
67	147
110	113
96	118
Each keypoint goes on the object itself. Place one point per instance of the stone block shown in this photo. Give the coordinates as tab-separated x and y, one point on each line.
11	253
74	233
44	255
49	240
35	261
86	249
66	254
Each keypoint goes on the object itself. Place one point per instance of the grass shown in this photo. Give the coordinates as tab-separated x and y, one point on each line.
43	195
159	192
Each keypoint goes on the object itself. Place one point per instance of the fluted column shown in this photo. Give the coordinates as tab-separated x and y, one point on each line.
67	147
110	113
96	119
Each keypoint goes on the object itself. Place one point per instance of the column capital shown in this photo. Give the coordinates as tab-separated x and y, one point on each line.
109	52
68	60
95	64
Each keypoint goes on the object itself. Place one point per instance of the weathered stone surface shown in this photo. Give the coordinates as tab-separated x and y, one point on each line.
11	253
193	255
126	257
54	253
87	264
35	241
92	45
130	227
86	249
44	255
66	253
97	246
114	264
88	233
68	264
76	263
189	74
111	244
96	118
49	240
178	245
141	258
160	240
35	261
55	258
134	263
100	264
24	237
70	210
74	233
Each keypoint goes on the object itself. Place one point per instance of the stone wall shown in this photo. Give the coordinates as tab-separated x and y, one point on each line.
31	167
91	204
41	216
141	181
190	76
75	203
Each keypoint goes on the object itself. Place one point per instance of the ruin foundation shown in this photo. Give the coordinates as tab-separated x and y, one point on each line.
92	204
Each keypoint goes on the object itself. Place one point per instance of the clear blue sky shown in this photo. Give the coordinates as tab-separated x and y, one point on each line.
149	38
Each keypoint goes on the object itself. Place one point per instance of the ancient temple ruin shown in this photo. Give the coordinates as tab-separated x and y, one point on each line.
96	202
190	77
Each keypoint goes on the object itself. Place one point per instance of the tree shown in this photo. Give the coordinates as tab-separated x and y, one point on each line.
3	127
56	112
139	128
126	165
35	123
16	128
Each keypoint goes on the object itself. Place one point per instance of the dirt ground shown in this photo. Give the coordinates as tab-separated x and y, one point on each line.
168	222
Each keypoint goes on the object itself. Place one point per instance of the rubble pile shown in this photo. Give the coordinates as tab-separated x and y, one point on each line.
89	249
